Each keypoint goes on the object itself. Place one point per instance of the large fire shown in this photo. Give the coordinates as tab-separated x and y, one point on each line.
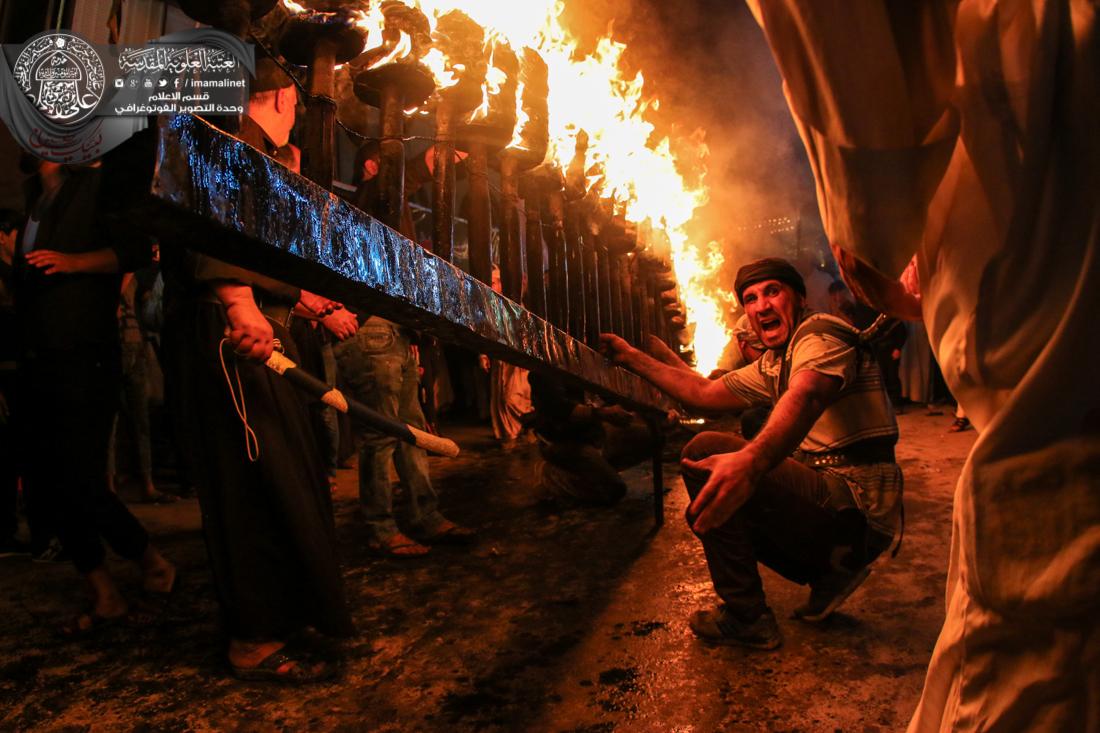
628	164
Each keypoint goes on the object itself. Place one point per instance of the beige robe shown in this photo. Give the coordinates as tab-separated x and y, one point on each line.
509	399
969	132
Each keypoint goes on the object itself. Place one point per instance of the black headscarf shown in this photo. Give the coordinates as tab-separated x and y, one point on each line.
768	268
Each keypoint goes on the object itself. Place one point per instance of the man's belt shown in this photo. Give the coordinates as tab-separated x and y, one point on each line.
856	454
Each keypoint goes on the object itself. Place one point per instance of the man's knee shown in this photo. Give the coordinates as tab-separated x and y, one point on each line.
702	446
710	442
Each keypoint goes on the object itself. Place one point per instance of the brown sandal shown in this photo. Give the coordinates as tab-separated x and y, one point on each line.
449	533
281	667
961	424
398	545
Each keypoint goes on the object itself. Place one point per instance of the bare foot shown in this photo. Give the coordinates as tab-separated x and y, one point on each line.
159	575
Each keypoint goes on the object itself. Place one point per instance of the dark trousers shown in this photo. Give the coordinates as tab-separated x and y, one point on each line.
792	523
67	408
9	474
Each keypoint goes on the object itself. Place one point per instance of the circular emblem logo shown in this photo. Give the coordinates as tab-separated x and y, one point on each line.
62	75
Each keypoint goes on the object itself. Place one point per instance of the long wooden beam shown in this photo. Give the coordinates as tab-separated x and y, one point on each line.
243	207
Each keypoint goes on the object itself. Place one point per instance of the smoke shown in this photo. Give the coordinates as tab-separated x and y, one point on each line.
712	70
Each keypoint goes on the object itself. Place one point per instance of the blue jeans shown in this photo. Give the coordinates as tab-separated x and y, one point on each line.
381	373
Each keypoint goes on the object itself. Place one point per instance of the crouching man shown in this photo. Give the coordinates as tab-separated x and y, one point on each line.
816	495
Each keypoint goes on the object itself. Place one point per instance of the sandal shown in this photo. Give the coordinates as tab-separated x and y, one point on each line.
449	533
398	545
281	667
960	424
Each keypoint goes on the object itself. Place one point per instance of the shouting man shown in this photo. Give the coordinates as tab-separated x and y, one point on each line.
816	495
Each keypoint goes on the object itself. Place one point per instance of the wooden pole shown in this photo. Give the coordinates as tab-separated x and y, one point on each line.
443	184
536	300
480	212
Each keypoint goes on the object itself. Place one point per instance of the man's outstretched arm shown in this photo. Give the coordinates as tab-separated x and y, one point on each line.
687	387
734	476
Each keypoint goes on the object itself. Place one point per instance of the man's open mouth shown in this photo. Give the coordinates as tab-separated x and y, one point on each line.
769	324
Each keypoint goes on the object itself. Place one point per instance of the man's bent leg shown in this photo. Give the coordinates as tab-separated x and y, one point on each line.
731	558
787	525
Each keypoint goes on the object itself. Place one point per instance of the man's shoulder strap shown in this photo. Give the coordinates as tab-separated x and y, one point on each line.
816	323
823	323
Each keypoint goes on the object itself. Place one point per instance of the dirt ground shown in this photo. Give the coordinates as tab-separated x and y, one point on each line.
552	622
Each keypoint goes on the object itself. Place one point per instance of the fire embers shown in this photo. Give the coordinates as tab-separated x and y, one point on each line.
531	137
495	118
406	37
397	43
461	42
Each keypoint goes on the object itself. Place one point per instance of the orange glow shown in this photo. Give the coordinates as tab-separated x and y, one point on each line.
494	81
628	164
400	50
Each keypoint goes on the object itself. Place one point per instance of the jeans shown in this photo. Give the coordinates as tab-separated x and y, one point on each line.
381	372
799	522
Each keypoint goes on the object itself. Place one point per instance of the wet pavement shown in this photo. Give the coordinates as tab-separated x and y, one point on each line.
573	621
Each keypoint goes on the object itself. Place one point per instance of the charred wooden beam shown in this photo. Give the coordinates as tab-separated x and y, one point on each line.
443	182
574	252
392	88
592	304
391	160
615	300
557	301
243	207
510	243
394	85
603	283
535	299
627	295
479	212
321	40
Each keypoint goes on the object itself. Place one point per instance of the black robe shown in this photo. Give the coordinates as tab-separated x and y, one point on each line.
268	523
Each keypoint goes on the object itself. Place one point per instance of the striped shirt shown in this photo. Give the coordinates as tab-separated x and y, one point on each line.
862	410
824	344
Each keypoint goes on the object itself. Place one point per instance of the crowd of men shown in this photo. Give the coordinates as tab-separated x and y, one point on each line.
815	493
250	445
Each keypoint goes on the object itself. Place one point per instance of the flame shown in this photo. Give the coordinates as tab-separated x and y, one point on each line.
521	120
372	22
494	81
445	74
400	50
294	8
638	171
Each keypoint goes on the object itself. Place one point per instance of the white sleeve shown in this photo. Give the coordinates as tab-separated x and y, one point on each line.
868	83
